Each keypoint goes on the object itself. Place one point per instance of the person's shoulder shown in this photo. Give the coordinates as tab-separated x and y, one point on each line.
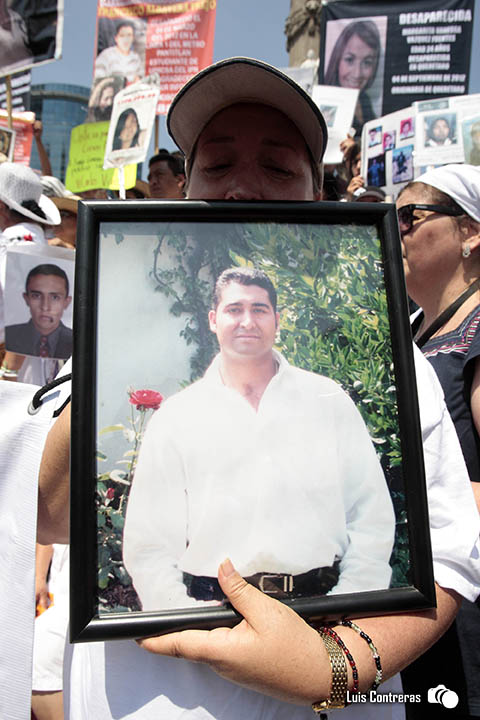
66	331
187	396
17	329
178	410
315	382
19	339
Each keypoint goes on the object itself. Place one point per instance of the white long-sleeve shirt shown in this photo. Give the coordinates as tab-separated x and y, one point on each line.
288	488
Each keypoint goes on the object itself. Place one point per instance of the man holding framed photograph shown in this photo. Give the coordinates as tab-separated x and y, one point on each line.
248	455
250	133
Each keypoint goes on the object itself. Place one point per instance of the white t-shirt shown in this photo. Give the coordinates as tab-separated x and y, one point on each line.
119	681
113	62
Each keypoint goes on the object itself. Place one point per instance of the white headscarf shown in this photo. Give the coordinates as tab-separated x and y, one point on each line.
460	182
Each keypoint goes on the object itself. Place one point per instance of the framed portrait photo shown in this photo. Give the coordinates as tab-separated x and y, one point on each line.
243	387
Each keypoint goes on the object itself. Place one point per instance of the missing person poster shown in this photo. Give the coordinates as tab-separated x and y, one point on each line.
30	34
388	150
131	125
396	53
20	84
23	126
446	130
337	106
38	301
134	40
7	144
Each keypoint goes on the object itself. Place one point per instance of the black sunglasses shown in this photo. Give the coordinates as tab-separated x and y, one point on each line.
406	216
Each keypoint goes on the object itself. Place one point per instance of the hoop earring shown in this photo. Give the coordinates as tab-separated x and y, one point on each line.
466	252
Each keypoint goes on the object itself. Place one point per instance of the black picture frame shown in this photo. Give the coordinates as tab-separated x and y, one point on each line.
120	227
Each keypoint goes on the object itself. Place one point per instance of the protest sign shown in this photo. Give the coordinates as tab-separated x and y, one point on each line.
22	123
173	39
7	144
441	128
85	164
388	145
471	138
131	125
30	34
20	83
337	106
406	51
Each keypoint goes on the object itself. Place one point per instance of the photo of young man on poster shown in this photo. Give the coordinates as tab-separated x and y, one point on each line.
124	53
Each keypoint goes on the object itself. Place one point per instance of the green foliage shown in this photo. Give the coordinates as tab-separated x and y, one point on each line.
188	281
116	592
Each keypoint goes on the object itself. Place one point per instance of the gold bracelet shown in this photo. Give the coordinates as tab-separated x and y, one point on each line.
338	693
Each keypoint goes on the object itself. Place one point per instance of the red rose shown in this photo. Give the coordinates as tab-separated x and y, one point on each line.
28	238
146	399
110	493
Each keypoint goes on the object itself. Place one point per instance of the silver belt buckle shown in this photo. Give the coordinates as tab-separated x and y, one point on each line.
287	583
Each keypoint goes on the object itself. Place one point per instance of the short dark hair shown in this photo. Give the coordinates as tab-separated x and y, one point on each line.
124	23
244	276
174	160
48	269
122	119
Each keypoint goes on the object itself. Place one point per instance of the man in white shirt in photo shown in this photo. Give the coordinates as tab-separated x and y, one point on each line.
241	462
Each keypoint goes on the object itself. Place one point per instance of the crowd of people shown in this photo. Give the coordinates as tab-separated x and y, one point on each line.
272	664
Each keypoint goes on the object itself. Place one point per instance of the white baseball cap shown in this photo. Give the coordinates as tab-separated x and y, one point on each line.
243	80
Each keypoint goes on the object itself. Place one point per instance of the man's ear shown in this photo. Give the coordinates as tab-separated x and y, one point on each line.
181	180
212	320
277	319
67	302
25	297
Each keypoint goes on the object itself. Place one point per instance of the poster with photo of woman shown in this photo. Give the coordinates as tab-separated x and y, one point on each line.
355	58
131	124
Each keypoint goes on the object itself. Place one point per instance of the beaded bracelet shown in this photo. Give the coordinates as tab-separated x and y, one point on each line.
331	632
338	693
376	656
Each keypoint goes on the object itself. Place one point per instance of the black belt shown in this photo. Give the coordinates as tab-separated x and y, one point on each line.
313	582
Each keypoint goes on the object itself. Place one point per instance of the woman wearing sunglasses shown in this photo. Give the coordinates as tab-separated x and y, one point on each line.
439	219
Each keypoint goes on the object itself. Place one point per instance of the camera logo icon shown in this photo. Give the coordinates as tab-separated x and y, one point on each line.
443	696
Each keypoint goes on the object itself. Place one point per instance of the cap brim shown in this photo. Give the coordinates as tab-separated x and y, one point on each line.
243	80
67	203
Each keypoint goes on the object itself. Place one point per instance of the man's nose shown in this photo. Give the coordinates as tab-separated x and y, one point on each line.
45	304
247	320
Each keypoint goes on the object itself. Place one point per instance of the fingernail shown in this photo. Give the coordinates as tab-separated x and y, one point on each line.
227	567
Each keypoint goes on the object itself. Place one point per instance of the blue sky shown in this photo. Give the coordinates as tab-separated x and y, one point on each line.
243	27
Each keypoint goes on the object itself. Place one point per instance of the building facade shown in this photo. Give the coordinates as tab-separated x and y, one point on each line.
60	107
